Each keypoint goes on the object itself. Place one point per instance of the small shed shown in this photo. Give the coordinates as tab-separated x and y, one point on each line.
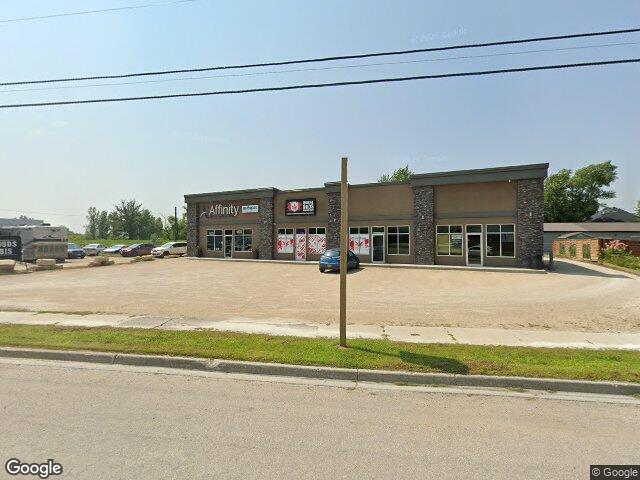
578	245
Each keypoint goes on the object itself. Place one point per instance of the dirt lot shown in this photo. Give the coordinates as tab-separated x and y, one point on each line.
574	297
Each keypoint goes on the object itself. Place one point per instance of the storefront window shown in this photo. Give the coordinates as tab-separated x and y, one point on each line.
501	240
449	240
244	240
316	240
285	240
398	240
359	240
214	240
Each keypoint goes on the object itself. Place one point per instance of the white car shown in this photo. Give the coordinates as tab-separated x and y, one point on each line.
93	248
170	248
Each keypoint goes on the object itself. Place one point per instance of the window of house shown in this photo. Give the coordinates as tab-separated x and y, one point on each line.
501	241
359	240
244	239
449	240
398	240
214	240
284	243
316	240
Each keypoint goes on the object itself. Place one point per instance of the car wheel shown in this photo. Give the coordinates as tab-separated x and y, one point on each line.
357	264
322	269
164	254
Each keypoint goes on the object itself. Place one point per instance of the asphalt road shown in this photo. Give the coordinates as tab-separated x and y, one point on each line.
127	423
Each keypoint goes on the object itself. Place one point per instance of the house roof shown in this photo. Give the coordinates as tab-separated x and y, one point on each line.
614	214
577	235
593	227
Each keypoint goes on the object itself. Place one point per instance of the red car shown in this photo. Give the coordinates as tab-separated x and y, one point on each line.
137	250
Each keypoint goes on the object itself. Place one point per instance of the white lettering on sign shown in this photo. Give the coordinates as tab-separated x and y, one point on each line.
250	209
220	210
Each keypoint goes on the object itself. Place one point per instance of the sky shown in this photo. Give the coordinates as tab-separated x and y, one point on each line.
58	161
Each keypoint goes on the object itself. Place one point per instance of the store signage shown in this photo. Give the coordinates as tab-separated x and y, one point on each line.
11	248
250	209
304	206
220	210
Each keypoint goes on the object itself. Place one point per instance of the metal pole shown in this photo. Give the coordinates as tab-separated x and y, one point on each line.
344	245
175	224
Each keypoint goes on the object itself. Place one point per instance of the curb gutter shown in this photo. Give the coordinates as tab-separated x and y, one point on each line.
327	373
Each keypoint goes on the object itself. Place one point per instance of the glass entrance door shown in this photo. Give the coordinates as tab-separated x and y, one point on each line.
377	244
474	244
228	243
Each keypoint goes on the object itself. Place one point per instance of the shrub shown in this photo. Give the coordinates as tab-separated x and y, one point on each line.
563	249
586	251
572	250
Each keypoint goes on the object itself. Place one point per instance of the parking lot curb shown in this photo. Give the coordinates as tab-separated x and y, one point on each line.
327	373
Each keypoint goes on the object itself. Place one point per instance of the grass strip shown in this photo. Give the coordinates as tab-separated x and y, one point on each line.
580	364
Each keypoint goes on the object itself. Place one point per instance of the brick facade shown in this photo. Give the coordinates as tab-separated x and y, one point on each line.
333	219
530	222
266	228
192	229
424	229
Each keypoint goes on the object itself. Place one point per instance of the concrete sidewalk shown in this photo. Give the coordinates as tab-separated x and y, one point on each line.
466	336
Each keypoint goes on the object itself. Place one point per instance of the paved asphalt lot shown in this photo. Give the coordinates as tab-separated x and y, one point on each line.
576	297
106	422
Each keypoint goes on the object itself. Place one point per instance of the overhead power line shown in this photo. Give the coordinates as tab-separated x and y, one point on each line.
334	67
323	85
22	212
326	59
89	12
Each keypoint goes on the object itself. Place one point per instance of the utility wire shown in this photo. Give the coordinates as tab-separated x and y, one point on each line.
89	12
323	85
335	67
326	59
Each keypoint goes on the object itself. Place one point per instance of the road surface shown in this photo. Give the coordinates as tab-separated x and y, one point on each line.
126	422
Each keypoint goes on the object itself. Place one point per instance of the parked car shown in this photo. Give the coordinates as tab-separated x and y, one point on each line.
137	250
330	260
112	250
170	248
93	249
74	251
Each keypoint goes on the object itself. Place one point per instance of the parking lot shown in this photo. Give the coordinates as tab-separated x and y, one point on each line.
574	297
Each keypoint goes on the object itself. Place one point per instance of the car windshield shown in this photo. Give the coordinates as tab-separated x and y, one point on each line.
91	245
167	245
118	246
73	246
333	253
134	245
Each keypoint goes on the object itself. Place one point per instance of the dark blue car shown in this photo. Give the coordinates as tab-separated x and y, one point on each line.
330	260
74	251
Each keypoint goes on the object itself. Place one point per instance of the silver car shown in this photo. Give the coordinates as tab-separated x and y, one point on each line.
93	248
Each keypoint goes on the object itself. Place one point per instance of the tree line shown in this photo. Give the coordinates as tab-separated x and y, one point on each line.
569	196
130	220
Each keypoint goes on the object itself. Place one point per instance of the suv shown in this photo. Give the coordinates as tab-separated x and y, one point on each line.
137	250
170	248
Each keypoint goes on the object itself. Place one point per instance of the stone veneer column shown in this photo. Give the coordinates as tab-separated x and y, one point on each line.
266	228
530	223
192	229
424	228
333	219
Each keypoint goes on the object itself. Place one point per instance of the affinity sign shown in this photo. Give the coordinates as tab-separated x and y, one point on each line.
11	248
304	206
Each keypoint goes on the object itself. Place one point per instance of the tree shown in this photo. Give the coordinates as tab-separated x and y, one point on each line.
102	226
401	174
92	222
170	225
128	214
575	197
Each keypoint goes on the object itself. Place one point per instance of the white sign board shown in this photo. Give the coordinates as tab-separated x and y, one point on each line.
249	208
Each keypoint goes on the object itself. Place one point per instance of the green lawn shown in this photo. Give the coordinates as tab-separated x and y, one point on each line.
369	354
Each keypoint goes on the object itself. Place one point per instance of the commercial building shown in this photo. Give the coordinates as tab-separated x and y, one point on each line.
491	217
